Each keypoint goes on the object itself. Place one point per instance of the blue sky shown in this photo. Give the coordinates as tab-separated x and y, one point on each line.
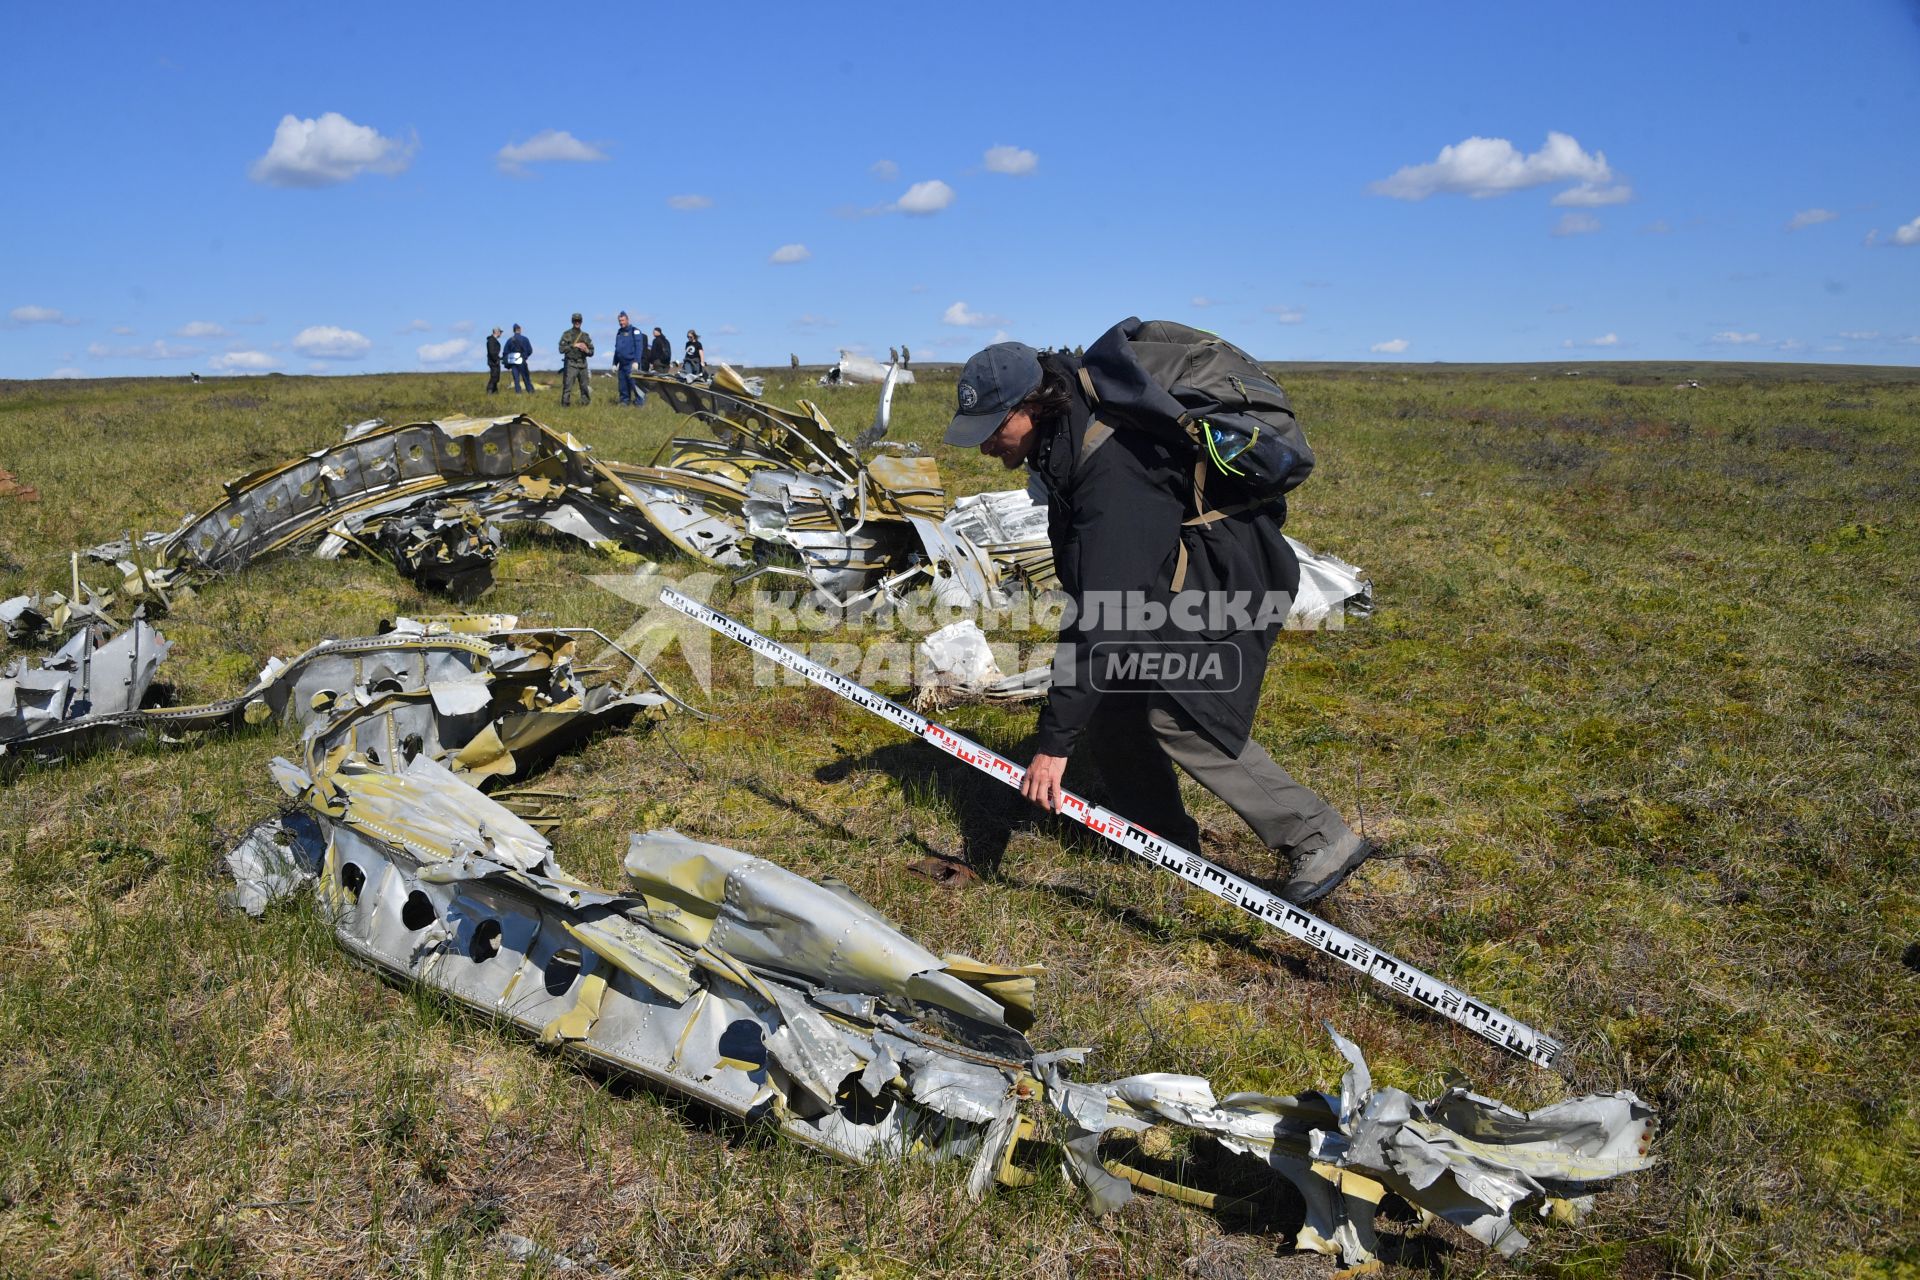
348	188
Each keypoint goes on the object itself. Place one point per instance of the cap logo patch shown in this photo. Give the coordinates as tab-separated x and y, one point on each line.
968	397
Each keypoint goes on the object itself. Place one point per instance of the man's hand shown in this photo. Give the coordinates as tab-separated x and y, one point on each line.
1042	783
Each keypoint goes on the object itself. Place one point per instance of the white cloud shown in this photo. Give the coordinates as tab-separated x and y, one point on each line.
158	349
327	150
549	146
1285	313
925	198
1810	218
40	315
1017	161
966	317
443	352
1859	335
1589	195
1201	301
726	331
199	329
68	371
1391	347
1732	338
885	170
689	203
244	362
1658	227
415	326
811	321
787	253
328	342
1576	224
1909	234
1481	167
460	326
1604	340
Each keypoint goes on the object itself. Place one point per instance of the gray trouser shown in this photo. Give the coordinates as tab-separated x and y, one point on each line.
574	375
1137	737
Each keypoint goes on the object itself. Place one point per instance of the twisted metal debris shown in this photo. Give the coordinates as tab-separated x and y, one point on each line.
723	977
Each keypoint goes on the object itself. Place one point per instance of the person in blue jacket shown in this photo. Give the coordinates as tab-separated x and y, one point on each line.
629	349
519	353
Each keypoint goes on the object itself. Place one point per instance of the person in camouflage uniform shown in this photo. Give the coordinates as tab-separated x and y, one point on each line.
575	346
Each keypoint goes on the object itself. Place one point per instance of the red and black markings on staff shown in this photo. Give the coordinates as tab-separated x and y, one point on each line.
1269	908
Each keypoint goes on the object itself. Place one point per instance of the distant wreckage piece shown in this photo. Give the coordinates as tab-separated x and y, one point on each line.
852	370
721	976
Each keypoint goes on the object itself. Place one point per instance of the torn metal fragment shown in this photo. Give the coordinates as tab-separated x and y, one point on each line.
84	679
956	664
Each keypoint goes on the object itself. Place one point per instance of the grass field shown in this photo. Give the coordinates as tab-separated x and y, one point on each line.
1637	712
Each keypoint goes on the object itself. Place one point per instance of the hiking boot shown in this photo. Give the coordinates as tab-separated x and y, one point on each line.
1321	872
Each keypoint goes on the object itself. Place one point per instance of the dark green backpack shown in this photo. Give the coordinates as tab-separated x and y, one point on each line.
1197	389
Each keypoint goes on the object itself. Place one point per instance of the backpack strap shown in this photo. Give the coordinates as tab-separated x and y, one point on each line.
1086	385
1098	433
1203	515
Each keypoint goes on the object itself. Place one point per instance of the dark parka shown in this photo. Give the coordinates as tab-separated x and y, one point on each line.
660	351
1115	518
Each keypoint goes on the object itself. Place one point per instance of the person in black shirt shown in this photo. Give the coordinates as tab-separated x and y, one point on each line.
1120	528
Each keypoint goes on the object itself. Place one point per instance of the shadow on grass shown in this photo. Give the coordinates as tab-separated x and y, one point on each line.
990	814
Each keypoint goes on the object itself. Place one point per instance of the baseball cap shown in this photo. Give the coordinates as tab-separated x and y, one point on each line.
992	385
576	317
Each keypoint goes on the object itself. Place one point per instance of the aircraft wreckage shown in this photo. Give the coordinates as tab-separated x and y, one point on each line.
726	978
711	973
771	491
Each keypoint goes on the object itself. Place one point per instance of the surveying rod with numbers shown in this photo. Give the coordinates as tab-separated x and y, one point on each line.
1269	908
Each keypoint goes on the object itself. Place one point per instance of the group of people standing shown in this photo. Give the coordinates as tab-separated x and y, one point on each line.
632	350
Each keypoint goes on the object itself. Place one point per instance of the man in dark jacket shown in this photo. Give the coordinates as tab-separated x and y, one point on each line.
493	361
659	352
519	357
575	346
629	346
1149	677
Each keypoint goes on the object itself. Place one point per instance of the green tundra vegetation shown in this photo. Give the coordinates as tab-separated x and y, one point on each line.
1636	714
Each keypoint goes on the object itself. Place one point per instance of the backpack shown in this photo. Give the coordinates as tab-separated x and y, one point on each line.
1196	389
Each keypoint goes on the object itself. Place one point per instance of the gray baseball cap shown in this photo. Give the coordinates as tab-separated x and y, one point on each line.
992	385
